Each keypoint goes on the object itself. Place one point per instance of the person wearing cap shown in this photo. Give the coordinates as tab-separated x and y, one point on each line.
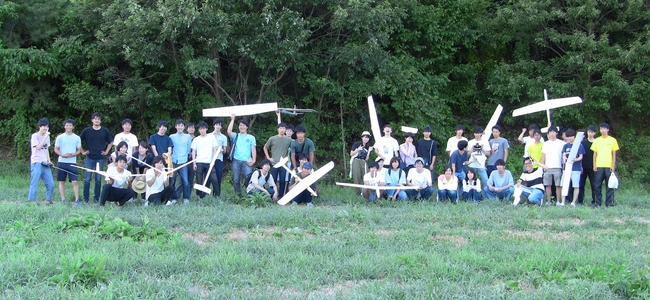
373	179
452	143
98	142
182	149
576	168
588	165
480	150
40	162
498	149
394	176
204	148
380	162
407	152
427	148
118	183
500	184
304	196
604	163
421	178
552	158
260	178
244	153
160	142
302	145
386	146
67	146
126	136
222	142
158	190
279	145
359	157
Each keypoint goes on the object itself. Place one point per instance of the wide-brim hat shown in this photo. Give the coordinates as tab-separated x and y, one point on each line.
138	186
366	133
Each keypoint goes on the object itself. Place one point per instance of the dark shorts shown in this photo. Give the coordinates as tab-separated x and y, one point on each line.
61	175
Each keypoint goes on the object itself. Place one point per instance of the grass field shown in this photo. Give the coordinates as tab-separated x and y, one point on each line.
341	249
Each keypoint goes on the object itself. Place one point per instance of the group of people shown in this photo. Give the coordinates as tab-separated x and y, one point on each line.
153	167
477	168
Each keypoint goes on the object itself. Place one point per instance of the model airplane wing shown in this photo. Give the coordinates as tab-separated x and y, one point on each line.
374	121
566	173
378	187
298	110
409	129
493	121
306	182
240	110
546	105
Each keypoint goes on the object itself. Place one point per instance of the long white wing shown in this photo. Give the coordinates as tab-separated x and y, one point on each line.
547	104
240	110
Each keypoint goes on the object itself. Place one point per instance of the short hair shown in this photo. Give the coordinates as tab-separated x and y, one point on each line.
526	158
459	127
570	132
122	143
97	115
202	124
394	159
478	129
497	127
533	127
301	156
592	128
217	121
144	144
162	123
604	125
462	145
158	159
301	128
43	122
190	124
426	128
127	121
448	167
470	170
500	162
289	127
242	121
552	128
71	121
121	158
265	162
373	164
179	121
282	125
388	125
537	131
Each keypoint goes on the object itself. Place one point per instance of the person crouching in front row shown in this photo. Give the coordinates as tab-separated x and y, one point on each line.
118	183
158	190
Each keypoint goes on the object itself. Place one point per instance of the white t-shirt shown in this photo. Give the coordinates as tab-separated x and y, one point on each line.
120	180
553	152
452	144
419	179
261	180
481	158
377	180
204	146
387	146
130	140
157	186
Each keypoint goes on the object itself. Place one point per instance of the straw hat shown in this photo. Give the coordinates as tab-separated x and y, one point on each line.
138	186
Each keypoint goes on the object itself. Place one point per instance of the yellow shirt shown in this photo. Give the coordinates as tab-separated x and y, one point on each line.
603	149
535	150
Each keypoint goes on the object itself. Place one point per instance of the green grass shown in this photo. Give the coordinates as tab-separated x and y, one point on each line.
341	249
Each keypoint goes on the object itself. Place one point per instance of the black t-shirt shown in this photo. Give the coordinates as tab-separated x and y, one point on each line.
588	157
363	153
96	141
426	149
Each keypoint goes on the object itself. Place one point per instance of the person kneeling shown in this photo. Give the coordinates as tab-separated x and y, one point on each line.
158	190
418	177
260	178
373	178
448	185
118	183
530	184
500	184
304	196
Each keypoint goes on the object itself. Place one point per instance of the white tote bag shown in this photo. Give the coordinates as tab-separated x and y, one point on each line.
612	183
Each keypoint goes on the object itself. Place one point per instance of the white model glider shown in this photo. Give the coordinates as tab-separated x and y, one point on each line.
103	173
379	188
306	182
283	163
409	129
487	133
240	110
566	174
295	111
546	105
374	121
166	170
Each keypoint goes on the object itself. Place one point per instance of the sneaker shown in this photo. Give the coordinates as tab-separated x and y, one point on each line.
130	200
169	203
573	204
309	204
77	203
63	201
186	201
559	203
146	203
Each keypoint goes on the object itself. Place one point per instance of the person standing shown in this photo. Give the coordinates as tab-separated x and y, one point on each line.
588	165
386	146
576	168
244	152
160	142
67	146
98	142
498	149
480	150
222	142
181	150
604	161
427	148
552	158
407	152
204	147
279	145
452	143
126	136
40	162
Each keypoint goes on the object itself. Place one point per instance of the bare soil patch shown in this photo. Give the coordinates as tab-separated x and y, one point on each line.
201	239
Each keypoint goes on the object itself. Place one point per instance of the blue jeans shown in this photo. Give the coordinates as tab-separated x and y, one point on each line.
602	174
38	171
401	195
270	190
279	175
447	195
185	183
459	190
473	195
505	194
424	193
239	168
534	196
482	173
91	164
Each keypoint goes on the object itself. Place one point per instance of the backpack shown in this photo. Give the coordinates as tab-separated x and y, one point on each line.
249	177
399	177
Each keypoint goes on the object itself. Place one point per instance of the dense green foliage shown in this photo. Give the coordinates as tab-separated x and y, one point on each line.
427	62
